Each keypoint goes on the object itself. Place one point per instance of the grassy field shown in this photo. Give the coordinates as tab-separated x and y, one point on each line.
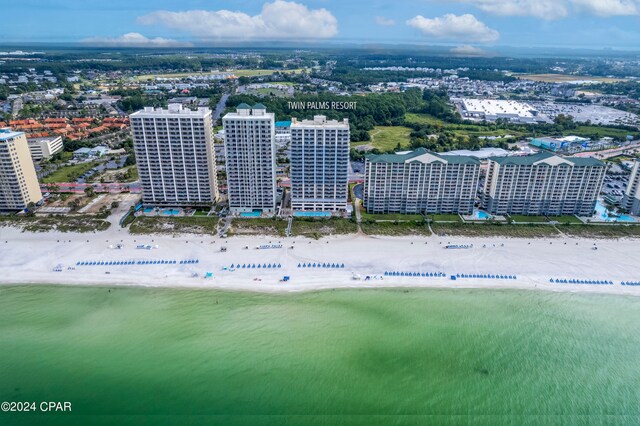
69	173
391	216
528	219
395	228
565	219
174	225
444	218
460	129
494	230
386	138
79	223
318	228
237	73
601	231
587	131
562	78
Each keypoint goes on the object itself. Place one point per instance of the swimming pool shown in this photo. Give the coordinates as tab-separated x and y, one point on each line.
480	215
603	213
312	214
148	209
250	214
170	212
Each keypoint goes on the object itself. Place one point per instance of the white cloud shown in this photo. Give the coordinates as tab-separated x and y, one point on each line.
455	27
468	50
134	40
556	9
608	7
278	20
385	22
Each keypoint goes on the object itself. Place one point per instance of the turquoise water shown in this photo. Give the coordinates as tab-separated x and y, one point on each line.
480	215
250	214
603	213
365	356
312	214
170	212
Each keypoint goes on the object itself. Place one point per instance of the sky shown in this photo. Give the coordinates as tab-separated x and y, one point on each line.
472	26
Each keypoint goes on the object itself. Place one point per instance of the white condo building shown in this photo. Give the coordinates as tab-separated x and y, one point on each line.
249	136
319	164
18	181
543	184
420	182
175	156
631	200
44	148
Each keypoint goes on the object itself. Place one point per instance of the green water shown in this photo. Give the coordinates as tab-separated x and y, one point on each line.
328	357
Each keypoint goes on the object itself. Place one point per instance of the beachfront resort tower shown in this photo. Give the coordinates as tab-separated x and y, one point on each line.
543	184
319	164
175	156
249	135
18	180
420	182
631	200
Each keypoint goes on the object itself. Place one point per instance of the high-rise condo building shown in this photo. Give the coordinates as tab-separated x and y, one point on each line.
175	156
543	184
18	181
319	164
44	148
631	200
420	182
249	135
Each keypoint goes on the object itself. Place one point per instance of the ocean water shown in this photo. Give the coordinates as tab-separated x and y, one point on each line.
350	356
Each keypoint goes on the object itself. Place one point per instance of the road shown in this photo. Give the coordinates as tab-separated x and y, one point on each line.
220	107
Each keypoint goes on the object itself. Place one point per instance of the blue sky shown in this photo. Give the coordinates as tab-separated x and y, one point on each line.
474	24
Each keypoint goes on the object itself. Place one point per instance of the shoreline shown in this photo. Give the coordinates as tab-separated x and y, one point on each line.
30	259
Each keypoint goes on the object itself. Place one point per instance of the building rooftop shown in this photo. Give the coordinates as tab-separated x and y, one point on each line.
320	120
283	123
173	109
549	158
243	106
6	133
422	155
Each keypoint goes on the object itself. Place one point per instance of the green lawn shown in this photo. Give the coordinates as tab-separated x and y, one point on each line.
529	219
69	173
396	228
258	226
391	216
587	131
444	218
386	138
565	219
461	129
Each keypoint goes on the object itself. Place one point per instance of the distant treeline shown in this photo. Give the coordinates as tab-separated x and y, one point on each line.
385	109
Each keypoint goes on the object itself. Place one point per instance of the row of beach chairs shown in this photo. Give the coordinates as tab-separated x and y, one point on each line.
576	281
255	265
413	274
320	265
136	262
488	276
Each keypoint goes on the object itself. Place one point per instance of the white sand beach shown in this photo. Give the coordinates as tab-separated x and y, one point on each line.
30	258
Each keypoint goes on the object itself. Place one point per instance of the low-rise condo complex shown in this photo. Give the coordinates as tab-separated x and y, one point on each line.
249	136
319	164
175	156
543	184
631	200
18	181
420	182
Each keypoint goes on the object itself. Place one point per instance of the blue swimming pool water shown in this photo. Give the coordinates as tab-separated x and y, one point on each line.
479	214
312	214
604	214
170	212
148	209
250	214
